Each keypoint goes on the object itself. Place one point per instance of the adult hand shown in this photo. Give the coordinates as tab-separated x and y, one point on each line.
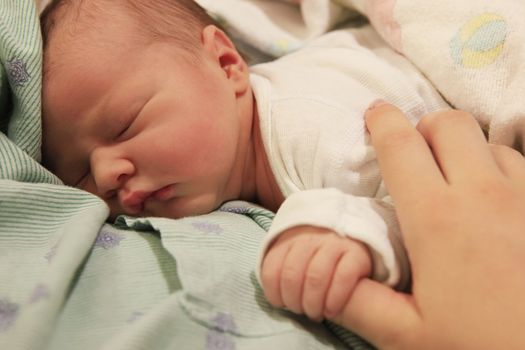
461	207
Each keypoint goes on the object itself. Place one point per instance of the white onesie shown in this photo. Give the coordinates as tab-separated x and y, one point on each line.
311	106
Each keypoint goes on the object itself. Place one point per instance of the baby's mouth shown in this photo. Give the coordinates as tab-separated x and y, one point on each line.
164	193
134	202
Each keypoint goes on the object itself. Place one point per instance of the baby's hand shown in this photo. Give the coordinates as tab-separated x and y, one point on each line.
313	270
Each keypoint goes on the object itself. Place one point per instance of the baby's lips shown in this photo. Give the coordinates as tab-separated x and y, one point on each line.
133	202
164	193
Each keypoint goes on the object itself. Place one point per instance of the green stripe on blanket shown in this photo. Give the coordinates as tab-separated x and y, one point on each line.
21	57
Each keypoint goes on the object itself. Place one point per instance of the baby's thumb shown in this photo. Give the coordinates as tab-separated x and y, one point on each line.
386	318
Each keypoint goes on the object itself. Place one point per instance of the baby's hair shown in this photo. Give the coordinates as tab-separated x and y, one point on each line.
179	21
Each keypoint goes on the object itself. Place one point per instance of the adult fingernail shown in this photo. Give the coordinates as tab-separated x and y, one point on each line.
377	103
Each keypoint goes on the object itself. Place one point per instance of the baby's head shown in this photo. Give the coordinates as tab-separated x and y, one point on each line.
73	25
146	104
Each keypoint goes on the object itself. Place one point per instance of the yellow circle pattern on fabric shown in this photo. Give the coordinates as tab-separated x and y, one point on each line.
480	41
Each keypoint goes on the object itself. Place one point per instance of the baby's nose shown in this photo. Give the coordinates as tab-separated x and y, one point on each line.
110	171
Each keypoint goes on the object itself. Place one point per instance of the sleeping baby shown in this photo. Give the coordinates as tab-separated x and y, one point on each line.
150	106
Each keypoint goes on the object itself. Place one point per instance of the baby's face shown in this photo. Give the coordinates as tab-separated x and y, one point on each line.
150	133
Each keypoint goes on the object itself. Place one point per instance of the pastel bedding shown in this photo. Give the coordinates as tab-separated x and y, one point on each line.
472	51
68	280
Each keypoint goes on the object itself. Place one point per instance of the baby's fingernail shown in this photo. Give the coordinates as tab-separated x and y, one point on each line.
377	103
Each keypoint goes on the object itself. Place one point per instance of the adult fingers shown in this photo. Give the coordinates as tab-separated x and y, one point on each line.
510	161
458	145
401	152
386	318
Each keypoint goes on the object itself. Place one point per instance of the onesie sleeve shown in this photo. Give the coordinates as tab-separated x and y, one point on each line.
369	220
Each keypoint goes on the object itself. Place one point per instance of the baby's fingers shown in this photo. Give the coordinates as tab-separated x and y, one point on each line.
271	273
293	273
354	265
319	275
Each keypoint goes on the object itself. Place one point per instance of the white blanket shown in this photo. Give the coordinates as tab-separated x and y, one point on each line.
472	50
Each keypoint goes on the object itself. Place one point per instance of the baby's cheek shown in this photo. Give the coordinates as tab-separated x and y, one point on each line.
209	150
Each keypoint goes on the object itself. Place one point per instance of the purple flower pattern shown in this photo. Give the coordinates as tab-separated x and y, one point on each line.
40	292
218	338
17	72
8	314
219	341
207	227
224	322
107	239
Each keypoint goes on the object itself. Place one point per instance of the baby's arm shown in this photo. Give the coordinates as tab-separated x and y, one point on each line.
325	216
313	270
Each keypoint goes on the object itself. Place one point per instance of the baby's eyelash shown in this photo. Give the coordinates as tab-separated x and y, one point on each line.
130	121
128	125
123	131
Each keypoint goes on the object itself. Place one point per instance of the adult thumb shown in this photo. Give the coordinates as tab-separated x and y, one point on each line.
384	317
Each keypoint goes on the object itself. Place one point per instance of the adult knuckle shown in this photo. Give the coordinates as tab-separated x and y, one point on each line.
497	192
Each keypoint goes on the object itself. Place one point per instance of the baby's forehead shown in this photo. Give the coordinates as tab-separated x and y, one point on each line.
75	46
81	22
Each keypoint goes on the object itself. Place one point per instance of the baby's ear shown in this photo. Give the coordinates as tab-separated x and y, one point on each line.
221	49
